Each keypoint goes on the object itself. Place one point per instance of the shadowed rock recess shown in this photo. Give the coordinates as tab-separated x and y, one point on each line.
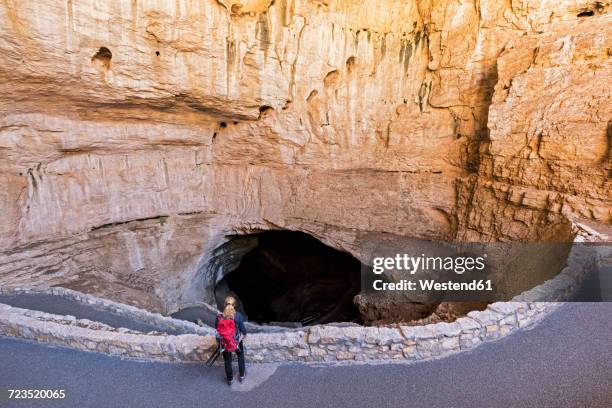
163	154
292	277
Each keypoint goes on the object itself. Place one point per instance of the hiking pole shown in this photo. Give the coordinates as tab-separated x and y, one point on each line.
214	356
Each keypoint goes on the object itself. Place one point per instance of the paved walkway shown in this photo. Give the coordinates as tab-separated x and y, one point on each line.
61	306
565	361
191	314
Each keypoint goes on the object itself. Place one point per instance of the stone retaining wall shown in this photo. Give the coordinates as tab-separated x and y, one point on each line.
326	343
67	320
120	309
185	347
316	344
409	343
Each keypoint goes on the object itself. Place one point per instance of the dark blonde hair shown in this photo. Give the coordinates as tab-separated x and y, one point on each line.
229	312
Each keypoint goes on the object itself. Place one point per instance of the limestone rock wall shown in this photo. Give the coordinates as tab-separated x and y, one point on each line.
135	136
548	154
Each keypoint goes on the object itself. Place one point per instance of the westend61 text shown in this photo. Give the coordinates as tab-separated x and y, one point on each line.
430	285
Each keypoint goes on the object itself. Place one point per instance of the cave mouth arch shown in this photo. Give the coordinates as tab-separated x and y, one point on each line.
291	278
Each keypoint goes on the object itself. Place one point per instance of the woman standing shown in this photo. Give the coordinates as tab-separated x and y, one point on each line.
231	333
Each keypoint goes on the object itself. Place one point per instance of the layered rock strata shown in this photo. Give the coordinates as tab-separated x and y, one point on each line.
136	137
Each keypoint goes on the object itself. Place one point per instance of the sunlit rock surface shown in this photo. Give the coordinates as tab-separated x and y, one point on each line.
136	136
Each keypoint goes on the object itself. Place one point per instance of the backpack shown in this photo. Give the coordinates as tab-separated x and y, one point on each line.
227	333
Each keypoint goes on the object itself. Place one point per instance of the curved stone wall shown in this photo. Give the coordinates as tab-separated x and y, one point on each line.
327	343
131	312
315	344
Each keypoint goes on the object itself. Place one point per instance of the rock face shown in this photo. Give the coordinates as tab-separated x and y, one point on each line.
550	130
136	137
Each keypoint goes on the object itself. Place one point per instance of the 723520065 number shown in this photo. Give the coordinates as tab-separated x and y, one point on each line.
36	394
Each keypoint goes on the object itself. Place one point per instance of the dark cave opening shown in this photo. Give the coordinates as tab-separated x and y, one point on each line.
291	277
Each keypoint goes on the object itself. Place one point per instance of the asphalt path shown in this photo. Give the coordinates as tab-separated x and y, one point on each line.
61	306
192	314
564	361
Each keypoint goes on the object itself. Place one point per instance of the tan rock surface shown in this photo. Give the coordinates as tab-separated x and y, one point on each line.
136	136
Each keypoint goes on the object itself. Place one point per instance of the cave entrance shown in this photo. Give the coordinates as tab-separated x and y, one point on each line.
290	278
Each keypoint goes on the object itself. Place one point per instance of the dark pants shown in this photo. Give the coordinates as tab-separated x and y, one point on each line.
227	359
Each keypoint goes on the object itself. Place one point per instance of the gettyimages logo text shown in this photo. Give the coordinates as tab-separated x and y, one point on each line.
414	264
